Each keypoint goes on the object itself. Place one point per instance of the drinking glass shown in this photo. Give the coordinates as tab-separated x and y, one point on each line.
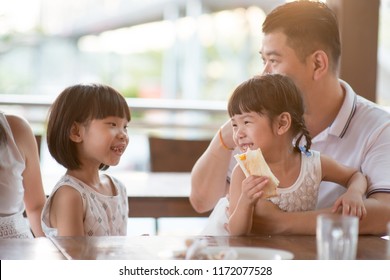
337	237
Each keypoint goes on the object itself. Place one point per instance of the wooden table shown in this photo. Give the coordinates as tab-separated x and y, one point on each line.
151	194
159	194
29	249
161	247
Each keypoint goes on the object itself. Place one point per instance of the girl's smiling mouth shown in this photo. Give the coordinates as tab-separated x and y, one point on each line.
119	149
246	146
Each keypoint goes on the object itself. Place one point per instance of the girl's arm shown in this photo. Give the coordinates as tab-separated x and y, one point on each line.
244	194
34	197
66	213
351	202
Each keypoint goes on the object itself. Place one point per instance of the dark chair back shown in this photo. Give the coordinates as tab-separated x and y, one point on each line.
175	155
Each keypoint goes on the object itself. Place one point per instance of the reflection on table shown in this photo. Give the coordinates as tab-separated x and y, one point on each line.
29	249
162	247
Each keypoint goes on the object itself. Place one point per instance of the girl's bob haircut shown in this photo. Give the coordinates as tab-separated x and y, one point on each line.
80	103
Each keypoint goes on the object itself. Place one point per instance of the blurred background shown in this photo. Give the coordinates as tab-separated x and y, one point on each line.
176	61
193	52
158	51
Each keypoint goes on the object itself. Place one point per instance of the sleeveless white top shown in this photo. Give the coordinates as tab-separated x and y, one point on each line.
103	215
12	165
301	196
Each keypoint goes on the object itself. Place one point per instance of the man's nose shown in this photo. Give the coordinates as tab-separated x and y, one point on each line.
266	70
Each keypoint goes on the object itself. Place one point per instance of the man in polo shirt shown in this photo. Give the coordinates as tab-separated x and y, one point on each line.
301	40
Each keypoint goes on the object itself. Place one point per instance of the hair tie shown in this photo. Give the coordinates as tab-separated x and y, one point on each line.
305	151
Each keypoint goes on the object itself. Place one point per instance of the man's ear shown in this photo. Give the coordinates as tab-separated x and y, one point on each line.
320	63
75	133
283	123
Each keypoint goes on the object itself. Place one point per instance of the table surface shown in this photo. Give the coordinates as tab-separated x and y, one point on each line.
29	249
162	247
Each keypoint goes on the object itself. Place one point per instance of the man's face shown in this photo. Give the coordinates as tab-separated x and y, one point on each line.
279	58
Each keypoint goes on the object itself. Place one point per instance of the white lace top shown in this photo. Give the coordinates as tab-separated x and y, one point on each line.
303	194
103	215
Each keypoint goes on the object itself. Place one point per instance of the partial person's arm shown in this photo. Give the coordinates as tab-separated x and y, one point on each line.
209	174
269	219
378	214
34	197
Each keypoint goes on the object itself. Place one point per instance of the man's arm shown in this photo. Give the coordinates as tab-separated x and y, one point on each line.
269	219
378	214
208	176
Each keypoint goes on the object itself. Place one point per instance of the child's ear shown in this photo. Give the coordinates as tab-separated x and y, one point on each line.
75	133
283	123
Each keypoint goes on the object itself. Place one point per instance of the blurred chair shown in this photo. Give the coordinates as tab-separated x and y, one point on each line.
175	155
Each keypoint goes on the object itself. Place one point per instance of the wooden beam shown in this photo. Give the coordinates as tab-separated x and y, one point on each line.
358	23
